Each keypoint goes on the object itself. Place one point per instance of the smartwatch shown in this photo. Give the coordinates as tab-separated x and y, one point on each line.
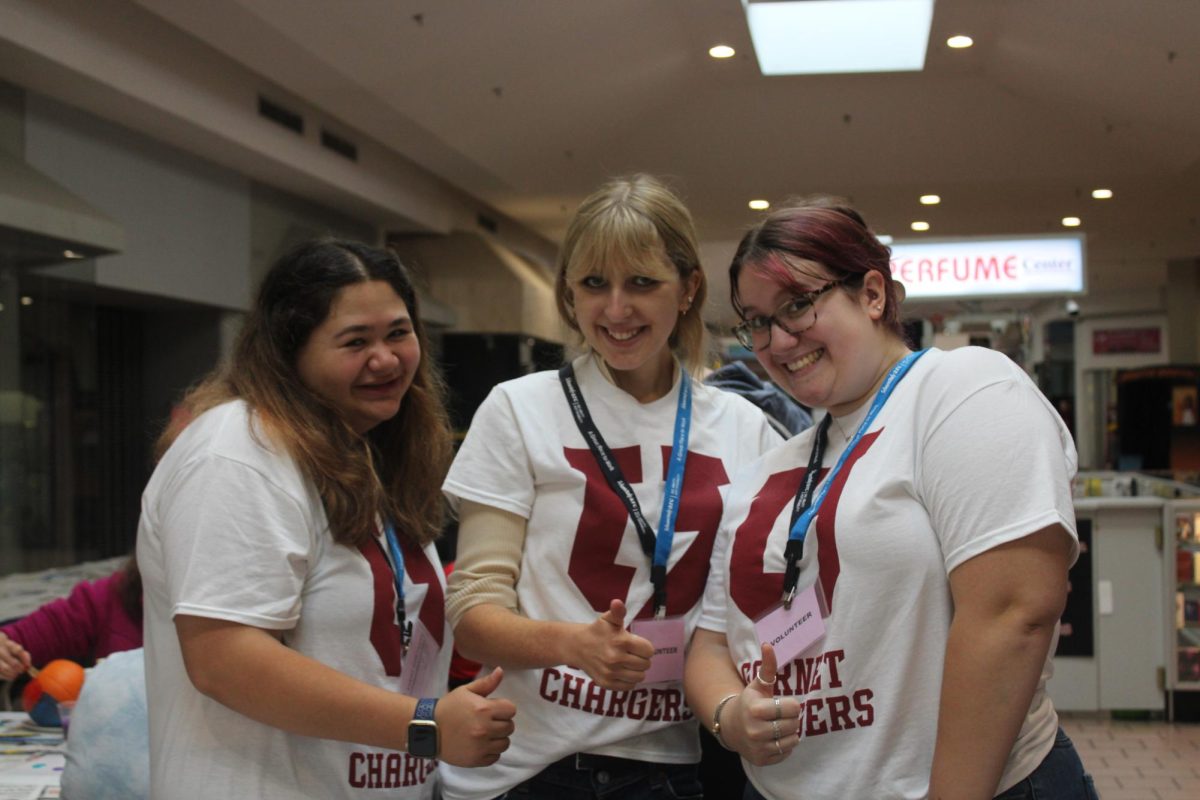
423	730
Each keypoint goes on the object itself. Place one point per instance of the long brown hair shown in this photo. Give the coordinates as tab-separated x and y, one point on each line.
395	470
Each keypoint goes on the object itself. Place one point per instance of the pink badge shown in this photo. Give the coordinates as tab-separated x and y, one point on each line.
419	662
667	637
793	630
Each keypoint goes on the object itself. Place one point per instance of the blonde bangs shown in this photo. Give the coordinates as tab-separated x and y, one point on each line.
617	243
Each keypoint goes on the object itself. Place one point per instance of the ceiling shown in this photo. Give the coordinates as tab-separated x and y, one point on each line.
530	104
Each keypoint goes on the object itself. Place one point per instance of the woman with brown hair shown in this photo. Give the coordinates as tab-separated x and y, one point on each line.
887	585
295	631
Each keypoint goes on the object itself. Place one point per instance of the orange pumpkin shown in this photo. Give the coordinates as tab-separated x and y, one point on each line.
61	679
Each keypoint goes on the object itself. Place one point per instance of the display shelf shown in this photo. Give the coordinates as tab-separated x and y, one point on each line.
1188	666
1181	562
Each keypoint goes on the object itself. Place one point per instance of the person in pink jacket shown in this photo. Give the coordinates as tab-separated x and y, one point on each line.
97	619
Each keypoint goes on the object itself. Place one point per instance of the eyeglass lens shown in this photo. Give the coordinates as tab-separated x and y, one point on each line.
795	316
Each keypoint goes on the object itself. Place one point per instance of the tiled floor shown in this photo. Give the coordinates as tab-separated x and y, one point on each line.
1138	760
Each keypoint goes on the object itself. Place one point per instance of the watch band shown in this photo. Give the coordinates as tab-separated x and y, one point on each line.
424	710
423	739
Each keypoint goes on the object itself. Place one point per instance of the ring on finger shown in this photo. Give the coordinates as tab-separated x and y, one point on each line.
775	728
778	747
778	708
759	678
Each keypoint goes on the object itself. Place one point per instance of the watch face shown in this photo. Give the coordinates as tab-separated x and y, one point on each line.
423	740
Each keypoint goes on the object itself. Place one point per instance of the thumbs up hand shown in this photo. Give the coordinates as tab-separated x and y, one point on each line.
763	727
611	656
475	728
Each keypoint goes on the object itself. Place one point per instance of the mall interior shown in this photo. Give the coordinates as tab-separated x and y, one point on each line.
157	155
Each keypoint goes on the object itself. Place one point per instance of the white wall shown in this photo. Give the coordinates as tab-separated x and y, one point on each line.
186	221
715	255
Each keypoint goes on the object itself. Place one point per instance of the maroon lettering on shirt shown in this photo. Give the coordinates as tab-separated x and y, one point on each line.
603	520
385	633
650	703
826	707
752	588
374	769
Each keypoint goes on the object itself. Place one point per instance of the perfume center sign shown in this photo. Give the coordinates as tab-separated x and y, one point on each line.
993	267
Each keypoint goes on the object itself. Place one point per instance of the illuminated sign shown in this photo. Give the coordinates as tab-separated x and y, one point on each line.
989	267
1127	340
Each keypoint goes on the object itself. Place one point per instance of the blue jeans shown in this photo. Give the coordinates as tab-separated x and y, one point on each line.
587	777
1060	776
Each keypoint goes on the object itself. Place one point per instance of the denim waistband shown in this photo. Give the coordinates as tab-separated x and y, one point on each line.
591	761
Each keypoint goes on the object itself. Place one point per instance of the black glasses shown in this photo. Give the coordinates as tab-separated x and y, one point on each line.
795	316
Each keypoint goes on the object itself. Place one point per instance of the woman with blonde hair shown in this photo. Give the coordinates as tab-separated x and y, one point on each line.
296	643
562	576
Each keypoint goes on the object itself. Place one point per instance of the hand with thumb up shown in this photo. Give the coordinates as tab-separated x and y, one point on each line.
611	656
762	726
474	727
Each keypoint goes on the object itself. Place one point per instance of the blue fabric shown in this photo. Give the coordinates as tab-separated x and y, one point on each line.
1060	776
108	744
607	778
787	415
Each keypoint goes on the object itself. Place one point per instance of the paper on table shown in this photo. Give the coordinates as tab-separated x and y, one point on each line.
20	791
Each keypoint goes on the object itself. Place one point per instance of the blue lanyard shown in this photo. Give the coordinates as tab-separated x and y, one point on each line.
808	509
657	547
674	487
398	577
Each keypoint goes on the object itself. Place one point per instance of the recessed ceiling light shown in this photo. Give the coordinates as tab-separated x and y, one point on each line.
760	205
26	300
721	51
930	199
920	226
1102	194
1071	222
959	42
71	254
811	37
884	238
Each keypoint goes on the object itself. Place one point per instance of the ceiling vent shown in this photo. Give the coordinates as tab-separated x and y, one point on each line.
343	147
281	116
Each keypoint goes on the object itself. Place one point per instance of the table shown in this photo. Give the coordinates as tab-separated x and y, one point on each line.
31	758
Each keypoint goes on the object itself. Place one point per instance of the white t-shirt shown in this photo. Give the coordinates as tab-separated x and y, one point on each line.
965	456
524	454
231	530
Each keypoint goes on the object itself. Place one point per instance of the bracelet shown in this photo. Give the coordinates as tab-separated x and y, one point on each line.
716	726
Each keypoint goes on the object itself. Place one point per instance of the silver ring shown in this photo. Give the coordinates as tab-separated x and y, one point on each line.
758	677
778	747
778	708
775	728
